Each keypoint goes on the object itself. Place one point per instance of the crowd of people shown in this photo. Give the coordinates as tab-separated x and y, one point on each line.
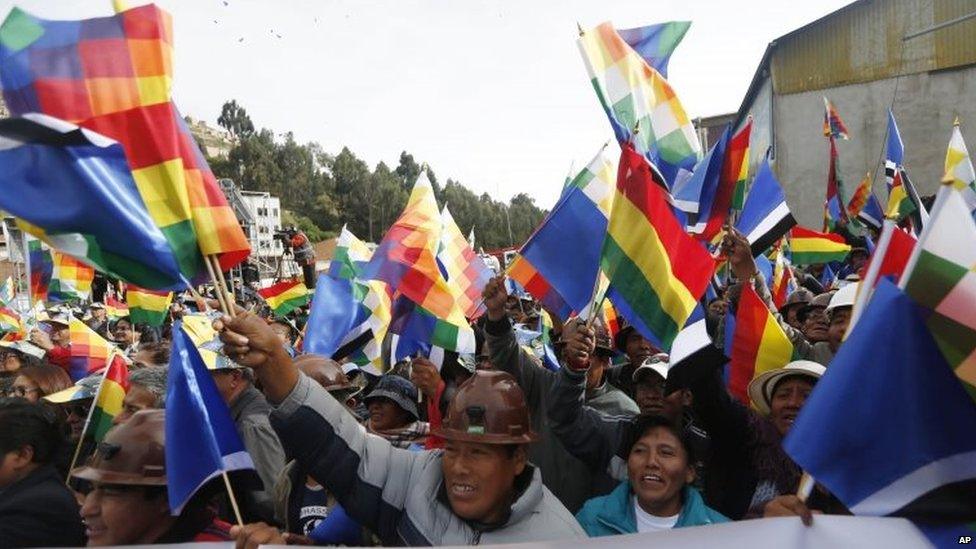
487	448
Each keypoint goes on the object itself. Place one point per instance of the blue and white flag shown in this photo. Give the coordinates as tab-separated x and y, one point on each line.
696	195
765	216
337	312
201	439
889	428
872	214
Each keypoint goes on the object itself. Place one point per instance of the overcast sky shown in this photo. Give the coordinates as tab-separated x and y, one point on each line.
491	93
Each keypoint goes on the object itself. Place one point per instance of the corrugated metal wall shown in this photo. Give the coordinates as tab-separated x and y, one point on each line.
863	42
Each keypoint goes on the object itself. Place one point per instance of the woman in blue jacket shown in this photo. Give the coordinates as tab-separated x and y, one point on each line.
658	494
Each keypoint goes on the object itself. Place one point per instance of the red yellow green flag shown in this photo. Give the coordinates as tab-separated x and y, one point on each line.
108	401
285	297
811	247
115	309
657	269
148	306
9	320
758	344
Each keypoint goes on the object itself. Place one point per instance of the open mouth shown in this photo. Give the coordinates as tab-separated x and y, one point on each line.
94	530
652	479
461	490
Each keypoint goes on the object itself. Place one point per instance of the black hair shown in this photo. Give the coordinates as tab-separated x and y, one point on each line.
799	375
24	423
159	351
645	423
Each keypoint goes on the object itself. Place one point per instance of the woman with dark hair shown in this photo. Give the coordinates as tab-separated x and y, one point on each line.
36	509
657	494
34	382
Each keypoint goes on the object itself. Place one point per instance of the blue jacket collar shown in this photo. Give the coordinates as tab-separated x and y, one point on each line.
617	512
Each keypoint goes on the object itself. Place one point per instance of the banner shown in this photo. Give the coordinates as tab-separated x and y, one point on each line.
826	531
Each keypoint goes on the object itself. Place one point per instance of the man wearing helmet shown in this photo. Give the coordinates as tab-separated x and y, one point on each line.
569	478
480	490
126	502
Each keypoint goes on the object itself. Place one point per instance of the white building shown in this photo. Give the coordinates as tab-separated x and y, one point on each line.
265	210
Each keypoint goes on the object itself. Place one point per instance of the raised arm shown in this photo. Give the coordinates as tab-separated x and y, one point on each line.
369	477
506	354
588	435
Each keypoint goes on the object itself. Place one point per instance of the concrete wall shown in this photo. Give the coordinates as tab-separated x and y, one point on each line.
925	106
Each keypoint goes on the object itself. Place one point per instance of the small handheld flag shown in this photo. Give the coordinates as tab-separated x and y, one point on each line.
889	378
765	217
201	439
285	297
336	310
148	306
810	247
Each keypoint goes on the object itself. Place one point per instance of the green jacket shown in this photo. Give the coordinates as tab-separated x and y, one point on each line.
613	513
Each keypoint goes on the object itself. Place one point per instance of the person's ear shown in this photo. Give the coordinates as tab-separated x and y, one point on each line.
162	505
690	474
521	459
23	456
687	399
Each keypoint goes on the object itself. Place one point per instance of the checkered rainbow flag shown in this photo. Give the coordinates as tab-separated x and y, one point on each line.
114	75
89	351
635	95
464	268
406	259
71	279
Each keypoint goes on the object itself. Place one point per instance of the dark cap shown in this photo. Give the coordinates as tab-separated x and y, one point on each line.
398	389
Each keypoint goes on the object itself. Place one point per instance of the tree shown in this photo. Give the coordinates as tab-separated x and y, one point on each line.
320	191
235	120
305	225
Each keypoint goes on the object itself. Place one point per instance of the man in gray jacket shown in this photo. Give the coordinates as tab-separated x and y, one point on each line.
250	412
568	478
480	489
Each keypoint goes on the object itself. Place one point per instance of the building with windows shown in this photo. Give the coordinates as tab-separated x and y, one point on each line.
266	212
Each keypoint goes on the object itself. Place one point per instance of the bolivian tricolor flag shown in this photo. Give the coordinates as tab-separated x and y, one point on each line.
115	309
108	401
758	344
285	297
9	320
147	306
810	247
657	269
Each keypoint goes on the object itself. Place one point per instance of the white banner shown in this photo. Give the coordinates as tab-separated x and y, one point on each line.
829	532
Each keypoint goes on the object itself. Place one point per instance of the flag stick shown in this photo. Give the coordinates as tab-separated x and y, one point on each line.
223	285
221	297
196	295
805	488
233	499
596	301
940	199
27	277
871	276
84	428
